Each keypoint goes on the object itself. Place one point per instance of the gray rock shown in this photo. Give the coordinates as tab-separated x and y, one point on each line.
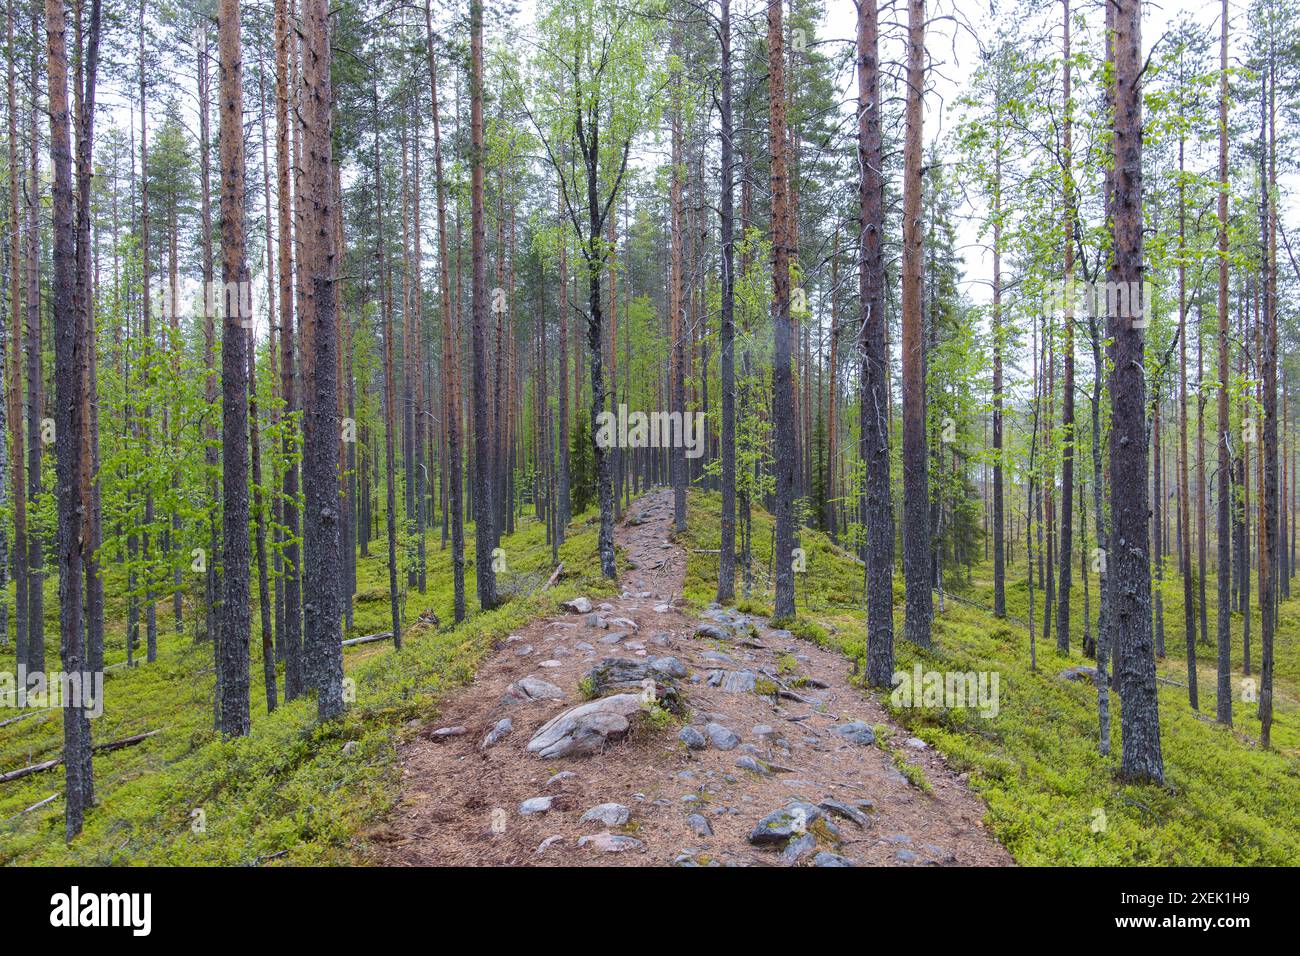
916	743
1080	672
625	623
613	637
857	732
899	839
586	728
799	849
668	667
847	812
503	727
610	842
534	688
699	825
535	805
579	605
549	842
584	646
740	682
610	814
662	638
561	777
721	737
780	825
753	766
444	732
711	632
692	738
762	730
524	650
830	859
905	856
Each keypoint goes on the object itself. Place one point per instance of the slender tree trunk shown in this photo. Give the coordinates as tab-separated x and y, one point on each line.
727	333
1067	382
916	484
1223	691
783	398
483	514
13	371
323	594
1129	559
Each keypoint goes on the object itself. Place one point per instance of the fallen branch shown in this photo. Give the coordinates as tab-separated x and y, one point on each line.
368	638
554	575
30	713
34	806
98	748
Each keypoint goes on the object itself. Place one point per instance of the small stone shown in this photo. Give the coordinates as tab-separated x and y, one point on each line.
762	730
561	777
780	825
534	688
899	839
857	732
699	825
847	812
753	766
584	646
830	859
711	632
350	746
721	737
692	738
503	727
550	663
578	605
905	856
668	666
916	743
610	843
549	842
535	805
663	608
444	732
524	650
799	849
610	814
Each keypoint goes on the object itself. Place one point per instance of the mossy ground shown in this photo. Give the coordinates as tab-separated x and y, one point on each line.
288	792
1052	799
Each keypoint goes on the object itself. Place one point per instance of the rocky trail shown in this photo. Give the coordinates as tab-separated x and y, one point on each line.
556	755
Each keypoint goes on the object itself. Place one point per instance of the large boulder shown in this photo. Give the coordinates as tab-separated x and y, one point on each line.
586	729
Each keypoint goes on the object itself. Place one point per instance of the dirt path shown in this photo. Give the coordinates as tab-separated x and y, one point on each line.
844	801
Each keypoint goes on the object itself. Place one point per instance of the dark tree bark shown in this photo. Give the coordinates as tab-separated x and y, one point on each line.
450	348
1067	382
323	594
1223	631
390	395
676	304
71	341
35	392
13	371
483	514
916	483
876	502
1129	560
727	332
783	410
235	561
291	640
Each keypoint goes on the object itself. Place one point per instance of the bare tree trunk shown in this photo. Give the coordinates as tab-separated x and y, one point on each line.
1223	635
676	306
294	676
783	408
916	484
1129	560
1067	383
323	594
450	348
13	371
483	514
727	334
71	340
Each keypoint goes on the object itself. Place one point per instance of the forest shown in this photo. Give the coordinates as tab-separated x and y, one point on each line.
427	420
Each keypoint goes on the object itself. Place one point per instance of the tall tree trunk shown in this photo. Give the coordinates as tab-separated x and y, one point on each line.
294	677
783	408
483	514
450	347
323	594
727	333
1223	635
1129	560
916	484
235	616
71	340
876	502
1067	382
676	305
13	372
